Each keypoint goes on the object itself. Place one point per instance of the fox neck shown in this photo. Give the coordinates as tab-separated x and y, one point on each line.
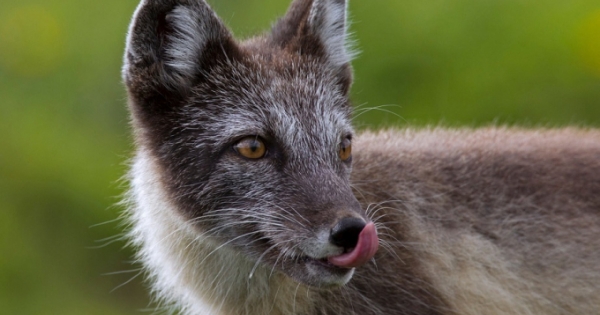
212	278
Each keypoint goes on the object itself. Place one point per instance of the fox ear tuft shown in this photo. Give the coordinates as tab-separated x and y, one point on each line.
320	22
319	28
328	21
170	42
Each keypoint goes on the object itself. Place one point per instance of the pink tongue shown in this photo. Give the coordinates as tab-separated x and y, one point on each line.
365	249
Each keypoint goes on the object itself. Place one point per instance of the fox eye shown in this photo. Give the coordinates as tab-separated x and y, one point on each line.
345	149
251	148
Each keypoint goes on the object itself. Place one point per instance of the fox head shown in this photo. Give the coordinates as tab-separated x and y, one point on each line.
252	139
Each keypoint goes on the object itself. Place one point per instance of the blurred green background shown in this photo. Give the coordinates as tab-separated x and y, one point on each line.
64	135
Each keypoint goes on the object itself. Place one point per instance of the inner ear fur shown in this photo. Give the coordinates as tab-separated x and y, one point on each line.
318	28
170	44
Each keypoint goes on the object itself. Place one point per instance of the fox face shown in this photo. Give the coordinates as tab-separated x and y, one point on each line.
252	140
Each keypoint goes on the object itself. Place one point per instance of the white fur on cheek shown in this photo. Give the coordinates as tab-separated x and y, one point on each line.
162	238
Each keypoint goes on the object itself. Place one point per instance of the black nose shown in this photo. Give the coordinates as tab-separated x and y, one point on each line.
345	232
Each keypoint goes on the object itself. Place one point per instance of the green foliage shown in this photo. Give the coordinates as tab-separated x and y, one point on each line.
64	125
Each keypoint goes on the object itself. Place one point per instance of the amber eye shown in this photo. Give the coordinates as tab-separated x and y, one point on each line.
346	149
251	148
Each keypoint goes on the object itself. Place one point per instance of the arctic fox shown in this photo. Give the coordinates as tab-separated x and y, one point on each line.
251	194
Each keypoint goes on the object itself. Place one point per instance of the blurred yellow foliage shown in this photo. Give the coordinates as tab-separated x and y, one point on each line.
31	41
589	41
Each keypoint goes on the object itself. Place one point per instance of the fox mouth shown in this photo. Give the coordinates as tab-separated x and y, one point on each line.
323	263
319	272
328	267
338	268
364	250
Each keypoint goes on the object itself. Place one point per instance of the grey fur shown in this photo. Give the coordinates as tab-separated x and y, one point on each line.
488	221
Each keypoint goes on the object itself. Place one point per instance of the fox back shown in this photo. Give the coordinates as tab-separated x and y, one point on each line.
252	194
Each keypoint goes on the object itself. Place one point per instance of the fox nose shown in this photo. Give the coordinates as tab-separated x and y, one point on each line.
346	232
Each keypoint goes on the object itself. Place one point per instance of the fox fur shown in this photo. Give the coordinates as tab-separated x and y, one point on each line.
470	221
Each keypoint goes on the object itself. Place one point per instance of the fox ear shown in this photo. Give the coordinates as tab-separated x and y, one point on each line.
170	43
317	27
328	21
